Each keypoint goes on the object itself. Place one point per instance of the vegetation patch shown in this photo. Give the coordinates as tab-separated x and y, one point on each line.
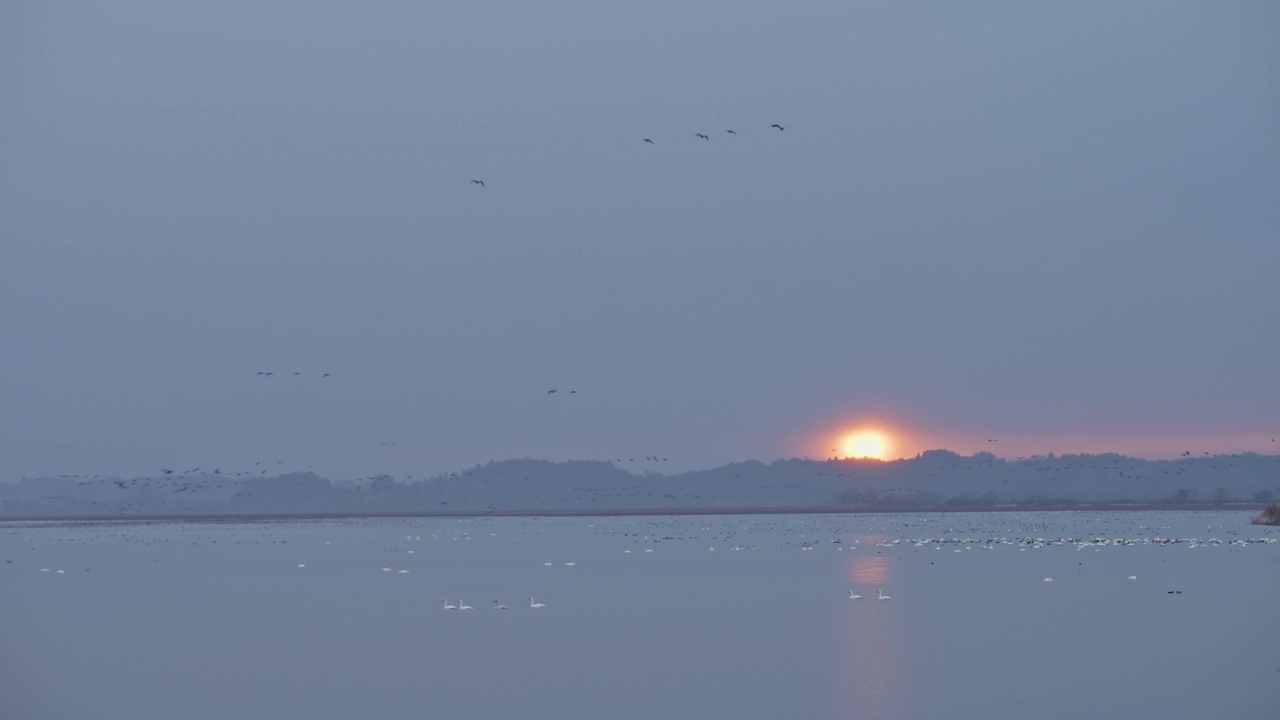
1270	516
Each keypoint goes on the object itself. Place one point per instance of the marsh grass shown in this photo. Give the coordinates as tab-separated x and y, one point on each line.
1270	516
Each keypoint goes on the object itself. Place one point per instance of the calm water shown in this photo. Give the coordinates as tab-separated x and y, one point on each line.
218	621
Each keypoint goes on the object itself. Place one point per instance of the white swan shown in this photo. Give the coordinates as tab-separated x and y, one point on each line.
533	604
447	606
854	597
883	596
498	606
464	606
572	562
547	563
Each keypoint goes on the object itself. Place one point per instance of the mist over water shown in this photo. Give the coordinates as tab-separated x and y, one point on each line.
672	617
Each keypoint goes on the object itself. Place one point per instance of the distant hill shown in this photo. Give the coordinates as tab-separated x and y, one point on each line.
934	479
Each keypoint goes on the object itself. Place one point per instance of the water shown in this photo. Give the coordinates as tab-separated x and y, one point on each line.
217	620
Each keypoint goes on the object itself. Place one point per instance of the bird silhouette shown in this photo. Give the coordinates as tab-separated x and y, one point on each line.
648	141
704	137
478	182
776	125
732	132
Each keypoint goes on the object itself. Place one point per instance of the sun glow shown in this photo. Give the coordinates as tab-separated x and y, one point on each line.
866	443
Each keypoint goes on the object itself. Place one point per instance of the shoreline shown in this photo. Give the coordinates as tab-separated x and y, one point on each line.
614	512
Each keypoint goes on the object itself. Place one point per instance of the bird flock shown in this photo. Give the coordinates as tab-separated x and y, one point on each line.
650	141
269	373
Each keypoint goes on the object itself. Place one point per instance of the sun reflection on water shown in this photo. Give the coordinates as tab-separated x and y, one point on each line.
868	569
874	688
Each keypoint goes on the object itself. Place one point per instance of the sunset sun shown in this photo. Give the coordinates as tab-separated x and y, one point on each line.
866	444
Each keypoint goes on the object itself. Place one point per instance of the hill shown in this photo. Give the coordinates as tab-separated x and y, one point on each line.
934	479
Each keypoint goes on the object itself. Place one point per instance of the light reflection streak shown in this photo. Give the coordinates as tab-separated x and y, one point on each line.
875	688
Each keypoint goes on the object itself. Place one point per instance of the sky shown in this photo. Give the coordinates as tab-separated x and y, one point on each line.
1015	227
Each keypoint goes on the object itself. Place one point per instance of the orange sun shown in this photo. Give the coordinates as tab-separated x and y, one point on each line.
866	443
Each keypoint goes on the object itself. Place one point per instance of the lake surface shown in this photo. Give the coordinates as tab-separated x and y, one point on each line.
657	617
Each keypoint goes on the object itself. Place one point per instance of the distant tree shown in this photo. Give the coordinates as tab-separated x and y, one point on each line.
913	499
1221	495
1264	496
1182	497
855	497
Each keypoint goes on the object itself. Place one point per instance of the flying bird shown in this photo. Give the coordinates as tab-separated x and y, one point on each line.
776	125
478	182
648	141
732	132
704	137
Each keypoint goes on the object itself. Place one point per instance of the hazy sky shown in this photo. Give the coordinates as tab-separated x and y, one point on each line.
1056	225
